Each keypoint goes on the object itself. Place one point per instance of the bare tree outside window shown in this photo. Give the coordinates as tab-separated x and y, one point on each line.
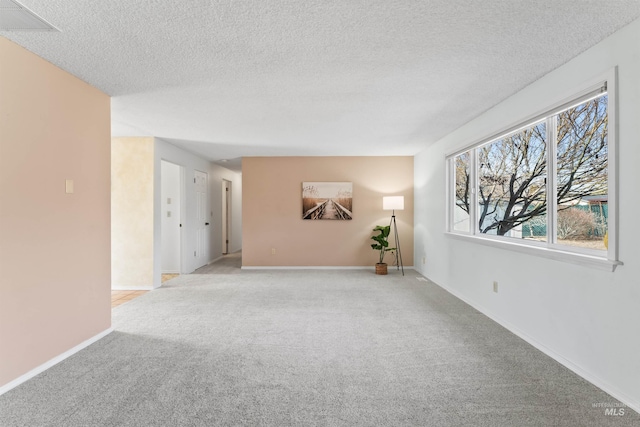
582	172
512	176
511	181
461	220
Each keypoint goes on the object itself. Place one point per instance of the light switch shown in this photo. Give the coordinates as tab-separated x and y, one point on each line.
69	186
168	200
168	214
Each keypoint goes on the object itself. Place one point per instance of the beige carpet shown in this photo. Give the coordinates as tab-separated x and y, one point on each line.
307	348
228	264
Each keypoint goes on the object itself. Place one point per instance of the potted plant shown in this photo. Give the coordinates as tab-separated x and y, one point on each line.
382	245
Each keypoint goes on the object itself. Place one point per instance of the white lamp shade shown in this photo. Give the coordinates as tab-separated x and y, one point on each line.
395	203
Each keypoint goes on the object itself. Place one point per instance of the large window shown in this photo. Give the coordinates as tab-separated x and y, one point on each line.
544	184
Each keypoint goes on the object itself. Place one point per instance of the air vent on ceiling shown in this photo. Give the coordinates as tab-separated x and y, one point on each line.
16	17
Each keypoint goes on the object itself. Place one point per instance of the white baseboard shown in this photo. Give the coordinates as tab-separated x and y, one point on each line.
170	272
32	373
132	288
313	267
598	382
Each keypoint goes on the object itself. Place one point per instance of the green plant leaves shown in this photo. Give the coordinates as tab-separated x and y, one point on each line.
381	238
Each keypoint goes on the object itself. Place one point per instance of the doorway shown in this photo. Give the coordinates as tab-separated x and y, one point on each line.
171	214
201	253
226	215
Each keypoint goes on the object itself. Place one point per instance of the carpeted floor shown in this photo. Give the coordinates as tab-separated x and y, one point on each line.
306	348
228	264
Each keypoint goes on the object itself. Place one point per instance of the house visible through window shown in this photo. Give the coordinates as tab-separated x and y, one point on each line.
582	174
512	174
545	183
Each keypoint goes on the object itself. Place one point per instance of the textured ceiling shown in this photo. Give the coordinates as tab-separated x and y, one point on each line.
235	78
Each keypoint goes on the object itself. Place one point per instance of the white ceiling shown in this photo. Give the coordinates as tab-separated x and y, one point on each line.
232	78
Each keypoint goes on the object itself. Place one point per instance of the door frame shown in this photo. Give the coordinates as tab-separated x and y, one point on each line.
202	220
226	215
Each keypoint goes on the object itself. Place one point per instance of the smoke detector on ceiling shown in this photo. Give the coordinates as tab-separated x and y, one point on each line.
16	17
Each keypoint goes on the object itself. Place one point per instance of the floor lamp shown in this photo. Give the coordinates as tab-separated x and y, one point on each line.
394	203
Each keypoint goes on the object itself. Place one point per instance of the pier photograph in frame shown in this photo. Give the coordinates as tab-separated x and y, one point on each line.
327	200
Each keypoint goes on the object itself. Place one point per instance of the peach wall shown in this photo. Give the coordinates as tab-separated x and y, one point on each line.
132	204
272	205
54	247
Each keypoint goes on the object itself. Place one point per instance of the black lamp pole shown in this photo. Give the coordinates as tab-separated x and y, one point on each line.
393	224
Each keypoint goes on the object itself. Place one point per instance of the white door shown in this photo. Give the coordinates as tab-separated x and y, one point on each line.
202	223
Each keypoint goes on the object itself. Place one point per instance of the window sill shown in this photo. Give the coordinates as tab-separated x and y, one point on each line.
586	260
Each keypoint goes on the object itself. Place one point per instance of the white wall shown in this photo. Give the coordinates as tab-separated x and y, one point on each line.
191	162
587	319
170	216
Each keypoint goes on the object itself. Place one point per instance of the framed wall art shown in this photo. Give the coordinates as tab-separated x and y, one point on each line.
327	200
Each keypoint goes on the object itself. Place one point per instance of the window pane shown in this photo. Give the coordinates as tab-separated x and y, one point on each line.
582	175
461	208
512	198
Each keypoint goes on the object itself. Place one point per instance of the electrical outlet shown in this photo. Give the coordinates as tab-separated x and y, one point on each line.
495	287
273	251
